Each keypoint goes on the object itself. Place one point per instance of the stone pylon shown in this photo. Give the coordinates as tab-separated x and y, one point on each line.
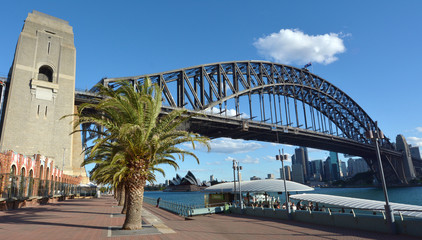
41	90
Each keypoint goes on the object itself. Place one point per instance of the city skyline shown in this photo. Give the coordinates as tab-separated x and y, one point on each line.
365	57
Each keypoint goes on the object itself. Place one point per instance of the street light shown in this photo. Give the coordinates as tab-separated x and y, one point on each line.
240	189
374	136
282	158
234	181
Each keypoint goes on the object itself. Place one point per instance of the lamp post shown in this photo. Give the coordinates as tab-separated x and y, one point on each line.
374	136
234	179
282	158
240	189
62	185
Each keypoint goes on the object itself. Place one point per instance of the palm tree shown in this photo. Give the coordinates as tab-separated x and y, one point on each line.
110	170
142	140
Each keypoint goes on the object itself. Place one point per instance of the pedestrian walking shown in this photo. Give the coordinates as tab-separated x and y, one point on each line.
158	201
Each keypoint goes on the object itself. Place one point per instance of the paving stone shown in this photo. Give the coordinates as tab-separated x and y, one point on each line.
85	219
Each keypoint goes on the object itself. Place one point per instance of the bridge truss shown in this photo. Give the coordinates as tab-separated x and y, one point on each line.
257	100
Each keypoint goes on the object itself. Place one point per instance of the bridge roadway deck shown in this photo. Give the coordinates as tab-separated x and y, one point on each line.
91	219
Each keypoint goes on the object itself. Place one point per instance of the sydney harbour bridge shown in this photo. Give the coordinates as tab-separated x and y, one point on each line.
265	101
250	100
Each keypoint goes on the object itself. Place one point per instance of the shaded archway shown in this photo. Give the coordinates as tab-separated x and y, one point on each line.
41	181
30	183
45	73
22	185
13	182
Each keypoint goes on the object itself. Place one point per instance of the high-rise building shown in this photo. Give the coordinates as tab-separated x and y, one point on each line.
212	178
343	168
301	156
270	176
355	166
255	178
316	166
297	173
350	167
327	170
414	151
287	171
334	166
305	150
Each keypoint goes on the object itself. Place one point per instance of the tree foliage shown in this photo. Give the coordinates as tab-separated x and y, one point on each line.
134	139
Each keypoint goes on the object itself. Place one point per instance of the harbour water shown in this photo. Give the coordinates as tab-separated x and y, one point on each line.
408	195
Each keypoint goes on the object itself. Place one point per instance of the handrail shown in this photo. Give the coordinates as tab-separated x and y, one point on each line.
185	210
181	209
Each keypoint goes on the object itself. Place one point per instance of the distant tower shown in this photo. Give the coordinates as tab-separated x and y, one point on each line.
416	154
317	167
40	92
307	164
335	170
343	168
297	173
401	145
301	158
286	172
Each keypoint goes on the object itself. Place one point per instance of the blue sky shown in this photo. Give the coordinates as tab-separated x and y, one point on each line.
370	49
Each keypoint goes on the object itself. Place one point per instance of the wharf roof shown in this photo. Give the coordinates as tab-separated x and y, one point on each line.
359	203
267	185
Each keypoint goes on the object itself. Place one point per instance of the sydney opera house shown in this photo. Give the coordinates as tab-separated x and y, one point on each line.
189	183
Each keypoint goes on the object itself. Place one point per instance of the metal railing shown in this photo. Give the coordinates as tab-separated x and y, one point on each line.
181	209
187	210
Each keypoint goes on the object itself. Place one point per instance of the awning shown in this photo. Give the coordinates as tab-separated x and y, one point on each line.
267	185
359	203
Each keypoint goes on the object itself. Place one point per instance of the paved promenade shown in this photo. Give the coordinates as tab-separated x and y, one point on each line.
100	219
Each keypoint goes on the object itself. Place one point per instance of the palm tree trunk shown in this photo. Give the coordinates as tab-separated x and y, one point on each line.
117	193
122	197
133	220
124	210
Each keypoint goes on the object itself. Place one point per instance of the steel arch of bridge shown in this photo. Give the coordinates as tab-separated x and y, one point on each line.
326	108
292	106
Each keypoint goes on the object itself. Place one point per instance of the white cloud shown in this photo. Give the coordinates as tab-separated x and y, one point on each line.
233	146
214	163
228	113
415	141
315	150
281	144
294	46
247	160
419	129
227	145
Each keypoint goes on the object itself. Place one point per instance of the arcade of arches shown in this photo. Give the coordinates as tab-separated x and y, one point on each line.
30	180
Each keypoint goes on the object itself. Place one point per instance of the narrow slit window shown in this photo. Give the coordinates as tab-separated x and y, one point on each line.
48	47
38	111
45	113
